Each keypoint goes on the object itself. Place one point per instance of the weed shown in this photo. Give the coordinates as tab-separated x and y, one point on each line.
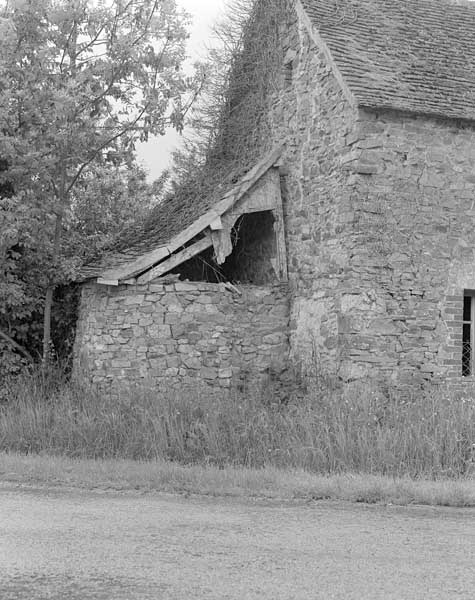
327	431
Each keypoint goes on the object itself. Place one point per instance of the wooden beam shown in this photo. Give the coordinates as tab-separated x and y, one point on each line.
193	230
248	181
175	260
278	213
221	207
137	266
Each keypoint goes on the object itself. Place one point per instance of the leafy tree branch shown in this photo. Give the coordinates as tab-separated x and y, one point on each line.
80	82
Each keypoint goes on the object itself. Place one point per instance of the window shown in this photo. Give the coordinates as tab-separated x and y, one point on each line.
468	334
288	74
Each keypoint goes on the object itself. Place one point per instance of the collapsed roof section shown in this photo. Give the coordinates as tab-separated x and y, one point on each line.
257	191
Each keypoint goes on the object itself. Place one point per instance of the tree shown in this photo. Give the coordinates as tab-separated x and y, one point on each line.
80	82
108	201
22	283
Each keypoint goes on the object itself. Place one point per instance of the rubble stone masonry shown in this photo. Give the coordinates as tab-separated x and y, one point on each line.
313	116
177	334
380	228
411	237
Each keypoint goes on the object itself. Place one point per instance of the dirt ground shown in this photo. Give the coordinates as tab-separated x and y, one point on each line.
88	545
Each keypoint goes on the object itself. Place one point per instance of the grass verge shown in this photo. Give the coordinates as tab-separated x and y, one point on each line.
239	482
329	430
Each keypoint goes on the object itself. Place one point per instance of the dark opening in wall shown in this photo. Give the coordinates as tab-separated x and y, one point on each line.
252	260
468	333
288	74
254	249
201	267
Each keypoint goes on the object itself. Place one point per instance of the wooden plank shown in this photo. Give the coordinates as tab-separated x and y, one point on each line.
278	213
193	230
175	260
257	172
222	244
132	268
216	225
135	268
103	281
265	197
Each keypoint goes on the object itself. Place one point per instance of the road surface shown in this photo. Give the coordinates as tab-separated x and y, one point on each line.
67	545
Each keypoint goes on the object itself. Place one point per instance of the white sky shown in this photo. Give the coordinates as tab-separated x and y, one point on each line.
155	154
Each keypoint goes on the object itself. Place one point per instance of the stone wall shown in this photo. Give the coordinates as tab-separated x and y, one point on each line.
379	215
313	116
411	228
179	333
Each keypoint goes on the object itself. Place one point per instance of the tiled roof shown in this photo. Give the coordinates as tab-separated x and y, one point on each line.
411	55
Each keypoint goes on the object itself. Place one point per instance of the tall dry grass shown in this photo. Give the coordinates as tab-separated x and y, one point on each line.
329	431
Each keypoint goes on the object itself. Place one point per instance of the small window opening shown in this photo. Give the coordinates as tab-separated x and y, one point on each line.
468	334
252	260
288	74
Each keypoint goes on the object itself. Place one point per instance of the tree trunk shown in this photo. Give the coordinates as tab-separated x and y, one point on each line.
62	197
17	346
47	326
49	296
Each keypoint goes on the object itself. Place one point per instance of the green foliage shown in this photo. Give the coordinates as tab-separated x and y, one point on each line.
327	431
229	128
107	202
80	83
22	281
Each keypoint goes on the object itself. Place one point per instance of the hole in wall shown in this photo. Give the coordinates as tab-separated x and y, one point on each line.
288	74
254	249
201	267
251	261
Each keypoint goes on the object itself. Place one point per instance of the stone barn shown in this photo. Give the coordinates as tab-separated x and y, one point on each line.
347	249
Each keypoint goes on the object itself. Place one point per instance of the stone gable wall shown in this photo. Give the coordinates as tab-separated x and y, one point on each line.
177	334
312	116
412	234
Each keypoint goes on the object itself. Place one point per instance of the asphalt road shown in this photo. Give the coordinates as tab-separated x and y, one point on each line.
70	546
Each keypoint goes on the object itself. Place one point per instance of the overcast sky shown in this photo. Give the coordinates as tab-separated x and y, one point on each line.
155	155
